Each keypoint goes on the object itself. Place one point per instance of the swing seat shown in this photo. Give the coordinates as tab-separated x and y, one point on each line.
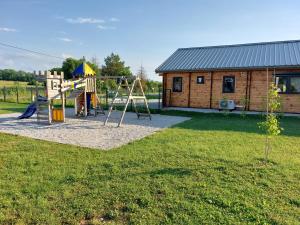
144	115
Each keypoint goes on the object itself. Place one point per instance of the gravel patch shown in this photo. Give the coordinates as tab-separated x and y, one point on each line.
89	132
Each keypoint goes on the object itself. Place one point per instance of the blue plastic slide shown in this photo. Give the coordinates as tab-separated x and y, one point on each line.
29	111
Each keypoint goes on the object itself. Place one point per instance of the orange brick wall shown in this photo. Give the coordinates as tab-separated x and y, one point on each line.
200	93
258	93
217	90
199	97
179	99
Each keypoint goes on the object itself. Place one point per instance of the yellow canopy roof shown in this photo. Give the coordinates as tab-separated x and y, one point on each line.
84	69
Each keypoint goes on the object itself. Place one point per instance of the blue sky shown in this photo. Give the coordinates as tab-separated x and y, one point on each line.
141	32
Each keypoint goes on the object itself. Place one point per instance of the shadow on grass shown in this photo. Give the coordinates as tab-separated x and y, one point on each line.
232	122
21	109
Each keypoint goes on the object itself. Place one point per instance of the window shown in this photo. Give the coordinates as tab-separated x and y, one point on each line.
177	84
282	83
54	85
200	80
288	84
295	84
228	84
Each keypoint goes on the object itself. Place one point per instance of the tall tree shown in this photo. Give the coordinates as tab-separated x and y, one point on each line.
144	78
69	65
142	73
10	74
94	60
114	66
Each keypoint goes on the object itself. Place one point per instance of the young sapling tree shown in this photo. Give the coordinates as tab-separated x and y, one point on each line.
271	125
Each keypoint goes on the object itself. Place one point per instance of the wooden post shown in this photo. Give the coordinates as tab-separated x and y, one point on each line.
36	99
4	94
36	89
95	95
75	106
106	97
124	111
17	95
85	102
50	111
112	103
63	99
31	94
159	96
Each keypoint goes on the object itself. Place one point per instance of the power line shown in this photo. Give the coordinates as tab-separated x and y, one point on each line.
31	51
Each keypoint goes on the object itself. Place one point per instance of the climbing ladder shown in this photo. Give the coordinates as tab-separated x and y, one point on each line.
136	83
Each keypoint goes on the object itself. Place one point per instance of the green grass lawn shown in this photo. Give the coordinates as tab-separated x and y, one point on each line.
208	170
9	83
7	107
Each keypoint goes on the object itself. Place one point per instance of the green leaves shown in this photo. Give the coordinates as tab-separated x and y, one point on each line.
70	64
115	67
271	125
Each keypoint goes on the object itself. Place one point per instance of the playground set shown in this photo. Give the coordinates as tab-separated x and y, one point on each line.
84	92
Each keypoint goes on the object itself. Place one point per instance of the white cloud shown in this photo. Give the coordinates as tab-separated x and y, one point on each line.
82	20
101	27
114	19
65	39
6	29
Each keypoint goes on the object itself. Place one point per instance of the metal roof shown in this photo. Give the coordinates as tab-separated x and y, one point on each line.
243	56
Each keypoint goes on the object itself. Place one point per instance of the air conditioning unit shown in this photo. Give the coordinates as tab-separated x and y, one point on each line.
226	105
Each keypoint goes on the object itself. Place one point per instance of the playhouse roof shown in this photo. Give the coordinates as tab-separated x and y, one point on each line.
84	69
281	54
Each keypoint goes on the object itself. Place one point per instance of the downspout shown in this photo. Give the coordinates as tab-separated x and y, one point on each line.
163	91
189	98
250	84
211	87
267	91
246	96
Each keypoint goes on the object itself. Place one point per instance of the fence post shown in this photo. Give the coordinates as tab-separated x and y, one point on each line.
31	94
106	97
65	97
4	94
159	96
17	95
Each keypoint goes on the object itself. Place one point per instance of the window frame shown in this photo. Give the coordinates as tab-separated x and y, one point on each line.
223	84
203	80
288	77
173	88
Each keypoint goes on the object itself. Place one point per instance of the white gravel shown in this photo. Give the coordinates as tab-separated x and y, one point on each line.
90	131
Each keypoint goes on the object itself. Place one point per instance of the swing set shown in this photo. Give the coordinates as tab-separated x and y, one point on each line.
134	92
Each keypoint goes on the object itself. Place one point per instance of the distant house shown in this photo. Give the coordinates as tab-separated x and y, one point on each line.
201	77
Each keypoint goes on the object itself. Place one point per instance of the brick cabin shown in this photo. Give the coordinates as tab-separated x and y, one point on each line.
201	77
